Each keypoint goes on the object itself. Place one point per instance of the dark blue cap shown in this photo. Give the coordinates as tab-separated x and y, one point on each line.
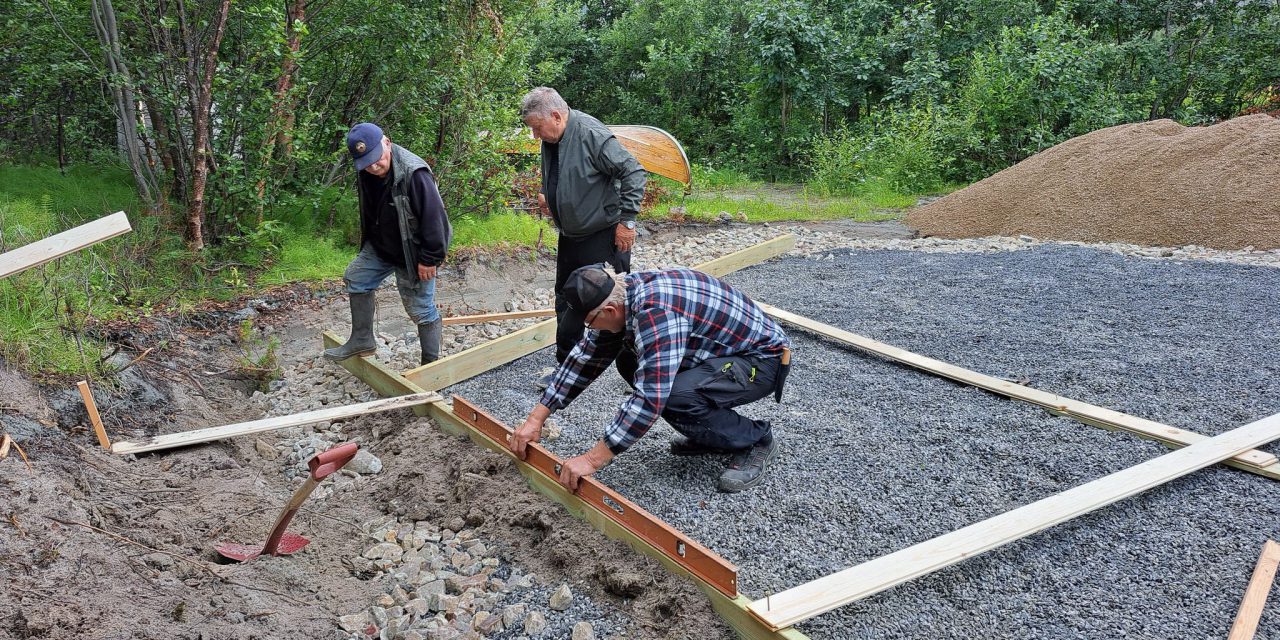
364	142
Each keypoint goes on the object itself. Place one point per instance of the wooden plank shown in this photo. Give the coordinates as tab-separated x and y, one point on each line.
656	150
466	364
69	241
171	440
1255	596
1254	461
824	594
725	265
499	317
5	441
732	609
460	366
683	550
386	382
92	408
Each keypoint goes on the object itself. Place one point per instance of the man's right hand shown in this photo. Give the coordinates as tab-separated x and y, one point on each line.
530	431
543	209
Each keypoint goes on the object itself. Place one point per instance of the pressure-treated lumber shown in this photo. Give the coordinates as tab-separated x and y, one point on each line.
656	150
1258	462
732	609
375	374
460	366
838	589
1255	596
498	317
92	408
172	440
69	241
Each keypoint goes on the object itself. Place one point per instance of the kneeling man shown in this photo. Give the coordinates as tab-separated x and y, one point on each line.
691	347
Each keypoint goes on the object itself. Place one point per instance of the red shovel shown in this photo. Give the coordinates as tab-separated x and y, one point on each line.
281	543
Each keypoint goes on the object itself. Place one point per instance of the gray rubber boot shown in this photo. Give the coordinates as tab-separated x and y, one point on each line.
429	336
361	342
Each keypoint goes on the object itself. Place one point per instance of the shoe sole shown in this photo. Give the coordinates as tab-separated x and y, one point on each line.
735	487
360	354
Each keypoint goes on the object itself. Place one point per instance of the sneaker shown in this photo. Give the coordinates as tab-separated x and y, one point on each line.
683	446
746	470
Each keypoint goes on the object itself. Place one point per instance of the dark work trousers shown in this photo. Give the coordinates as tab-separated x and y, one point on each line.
703	397
572	254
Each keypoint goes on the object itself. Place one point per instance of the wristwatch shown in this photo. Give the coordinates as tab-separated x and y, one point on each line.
630	224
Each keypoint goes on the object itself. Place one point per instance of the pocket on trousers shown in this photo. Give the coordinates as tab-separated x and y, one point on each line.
724	386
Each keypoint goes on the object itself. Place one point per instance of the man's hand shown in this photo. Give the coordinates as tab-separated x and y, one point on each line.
543	209
426	273
623	237
530	431
574	469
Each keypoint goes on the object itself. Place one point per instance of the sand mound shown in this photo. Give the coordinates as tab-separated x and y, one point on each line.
1154	183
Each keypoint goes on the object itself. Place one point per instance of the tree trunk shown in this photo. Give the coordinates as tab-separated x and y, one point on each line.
280	137
201	128
121	83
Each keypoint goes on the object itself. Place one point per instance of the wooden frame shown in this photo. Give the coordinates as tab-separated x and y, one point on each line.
732	609
1255	596
466	364
186	438
471	362
69	241
1259	462
838	589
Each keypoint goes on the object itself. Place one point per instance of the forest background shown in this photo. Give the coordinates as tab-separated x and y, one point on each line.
219	124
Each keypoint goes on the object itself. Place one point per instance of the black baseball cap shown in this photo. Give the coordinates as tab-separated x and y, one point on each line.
584	290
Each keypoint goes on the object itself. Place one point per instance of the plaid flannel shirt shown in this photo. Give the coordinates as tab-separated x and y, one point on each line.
676	319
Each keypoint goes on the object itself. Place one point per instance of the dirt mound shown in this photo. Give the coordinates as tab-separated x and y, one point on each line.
1153	183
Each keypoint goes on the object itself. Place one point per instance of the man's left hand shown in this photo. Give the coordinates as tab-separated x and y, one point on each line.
426	273
623	237
574	469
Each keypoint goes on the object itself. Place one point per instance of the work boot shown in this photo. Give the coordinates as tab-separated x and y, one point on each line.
361	342
429	337
747	468
683	446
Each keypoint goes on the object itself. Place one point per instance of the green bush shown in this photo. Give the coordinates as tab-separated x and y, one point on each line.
899	149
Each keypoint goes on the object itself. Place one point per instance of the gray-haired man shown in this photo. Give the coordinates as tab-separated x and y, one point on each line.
591	187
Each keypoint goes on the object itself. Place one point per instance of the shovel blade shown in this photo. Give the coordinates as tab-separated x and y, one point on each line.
289	543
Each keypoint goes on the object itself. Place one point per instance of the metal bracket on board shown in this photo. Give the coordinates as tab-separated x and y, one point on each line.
682	549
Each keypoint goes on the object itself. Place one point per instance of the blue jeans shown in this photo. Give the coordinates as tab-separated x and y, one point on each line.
367	271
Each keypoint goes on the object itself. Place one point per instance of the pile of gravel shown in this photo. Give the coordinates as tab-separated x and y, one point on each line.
1150	182
878	456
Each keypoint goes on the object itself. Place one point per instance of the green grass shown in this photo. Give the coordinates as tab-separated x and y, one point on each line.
304	259
512	229
758	202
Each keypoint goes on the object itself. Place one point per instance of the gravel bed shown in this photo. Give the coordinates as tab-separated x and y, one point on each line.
878	456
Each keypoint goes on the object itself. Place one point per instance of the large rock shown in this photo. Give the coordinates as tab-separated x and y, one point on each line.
561	599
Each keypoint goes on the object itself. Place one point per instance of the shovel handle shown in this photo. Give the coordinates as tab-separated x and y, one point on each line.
323	464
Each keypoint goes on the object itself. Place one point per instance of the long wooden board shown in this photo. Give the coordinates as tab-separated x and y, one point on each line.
499	317
1255	596
824	594
172	440
69	241
1259	462
466	364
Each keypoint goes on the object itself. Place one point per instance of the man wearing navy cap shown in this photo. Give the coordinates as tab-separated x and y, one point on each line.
403	230
691	347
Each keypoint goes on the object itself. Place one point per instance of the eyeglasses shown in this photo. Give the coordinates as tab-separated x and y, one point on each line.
592	318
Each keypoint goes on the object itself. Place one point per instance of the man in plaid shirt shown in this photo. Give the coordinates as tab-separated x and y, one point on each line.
690	346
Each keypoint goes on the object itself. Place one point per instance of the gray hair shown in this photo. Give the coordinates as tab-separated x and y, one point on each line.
619	294
540	102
